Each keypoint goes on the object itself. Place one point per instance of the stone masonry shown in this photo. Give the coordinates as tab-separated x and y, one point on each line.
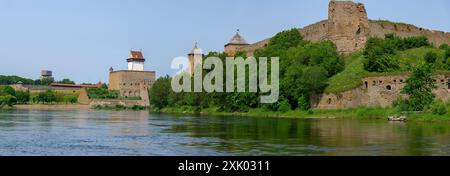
349	28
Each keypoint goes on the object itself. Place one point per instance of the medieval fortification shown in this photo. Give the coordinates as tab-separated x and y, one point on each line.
349	28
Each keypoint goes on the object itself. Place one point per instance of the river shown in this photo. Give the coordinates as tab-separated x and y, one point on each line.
137	133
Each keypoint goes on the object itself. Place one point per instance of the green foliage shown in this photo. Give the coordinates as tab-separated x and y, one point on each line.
443	46
159	94
46	97
7	90
66	81
304	71
379	52
303	103
349	78
447	53
284	106
23	97
420	87
5	80
7	100
102	93
431	57
439	108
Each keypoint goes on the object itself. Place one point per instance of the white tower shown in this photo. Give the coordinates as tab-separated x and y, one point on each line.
136	61
195	59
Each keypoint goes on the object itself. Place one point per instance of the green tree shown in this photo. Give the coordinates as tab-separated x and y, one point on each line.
7	90
7	100
420	87
23	97
159	94
66	81
46	97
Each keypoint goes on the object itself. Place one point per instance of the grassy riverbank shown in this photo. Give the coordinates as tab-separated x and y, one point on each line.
355	113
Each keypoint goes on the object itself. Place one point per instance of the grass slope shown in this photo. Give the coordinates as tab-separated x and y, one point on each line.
354	71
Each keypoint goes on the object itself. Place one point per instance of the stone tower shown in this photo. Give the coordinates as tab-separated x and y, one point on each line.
236	44
136	61
348	25
195	59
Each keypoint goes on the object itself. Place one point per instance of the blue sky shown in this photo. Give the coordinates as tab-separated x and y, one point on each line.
81	39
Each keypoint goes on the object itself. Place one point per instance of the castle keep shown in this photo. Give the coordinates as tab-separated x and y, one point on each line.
349	28
133	82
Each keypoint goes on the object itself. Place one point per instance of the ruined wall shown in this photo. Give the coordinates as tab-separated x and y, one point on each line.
377	91
349	28
348	25
379	28
315	32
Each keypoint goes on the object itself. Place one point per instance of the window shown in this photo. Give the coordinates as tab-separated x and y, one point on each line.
366	84
448	83
388	87
329	100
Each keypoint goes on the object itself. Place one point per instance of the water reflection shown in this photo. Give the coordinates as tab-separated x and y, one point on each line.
261	136
141	133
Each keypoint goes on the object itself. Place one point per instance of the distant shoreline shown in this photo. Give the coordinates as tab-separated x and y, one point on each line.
53	107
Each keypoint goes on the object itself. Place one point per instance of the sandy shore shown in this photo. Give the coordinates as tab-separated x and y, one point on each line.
53	107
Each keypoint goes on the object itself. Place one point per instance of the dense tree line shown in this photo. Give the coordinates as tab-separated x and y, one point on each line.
8	80
304	70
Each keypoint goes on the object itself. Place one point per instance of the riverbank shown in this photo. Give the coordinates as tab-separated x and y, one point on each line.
53	107
355	113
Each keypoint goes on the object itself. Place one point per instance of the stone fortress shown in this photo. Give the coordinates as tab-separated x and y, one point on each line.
134	82
349	28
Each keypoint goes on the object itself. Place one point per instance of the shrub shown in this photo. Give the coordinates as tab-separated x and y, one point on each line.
101	93
303	104
284	106
7	90
438	108
401	104
7	100
22	97
431	57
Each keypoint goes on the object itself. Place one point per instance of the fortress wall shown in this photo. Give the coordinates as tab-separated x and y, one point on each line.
348	27
378	91
381	28
315	32
250	49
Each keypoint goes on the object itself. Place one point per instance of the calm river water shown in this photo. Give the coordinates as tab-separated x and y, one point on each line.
101	133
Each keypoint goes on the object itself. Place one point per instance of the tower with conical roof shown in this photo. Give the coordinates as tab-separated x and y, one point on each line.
195	59
236	44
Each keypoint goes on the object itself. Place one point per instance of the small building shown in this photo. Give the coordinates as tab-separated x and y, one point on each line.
47	76
134	82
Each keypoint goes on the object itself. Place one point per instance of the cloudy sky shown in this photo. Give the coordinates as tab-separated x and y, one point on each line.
81	39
